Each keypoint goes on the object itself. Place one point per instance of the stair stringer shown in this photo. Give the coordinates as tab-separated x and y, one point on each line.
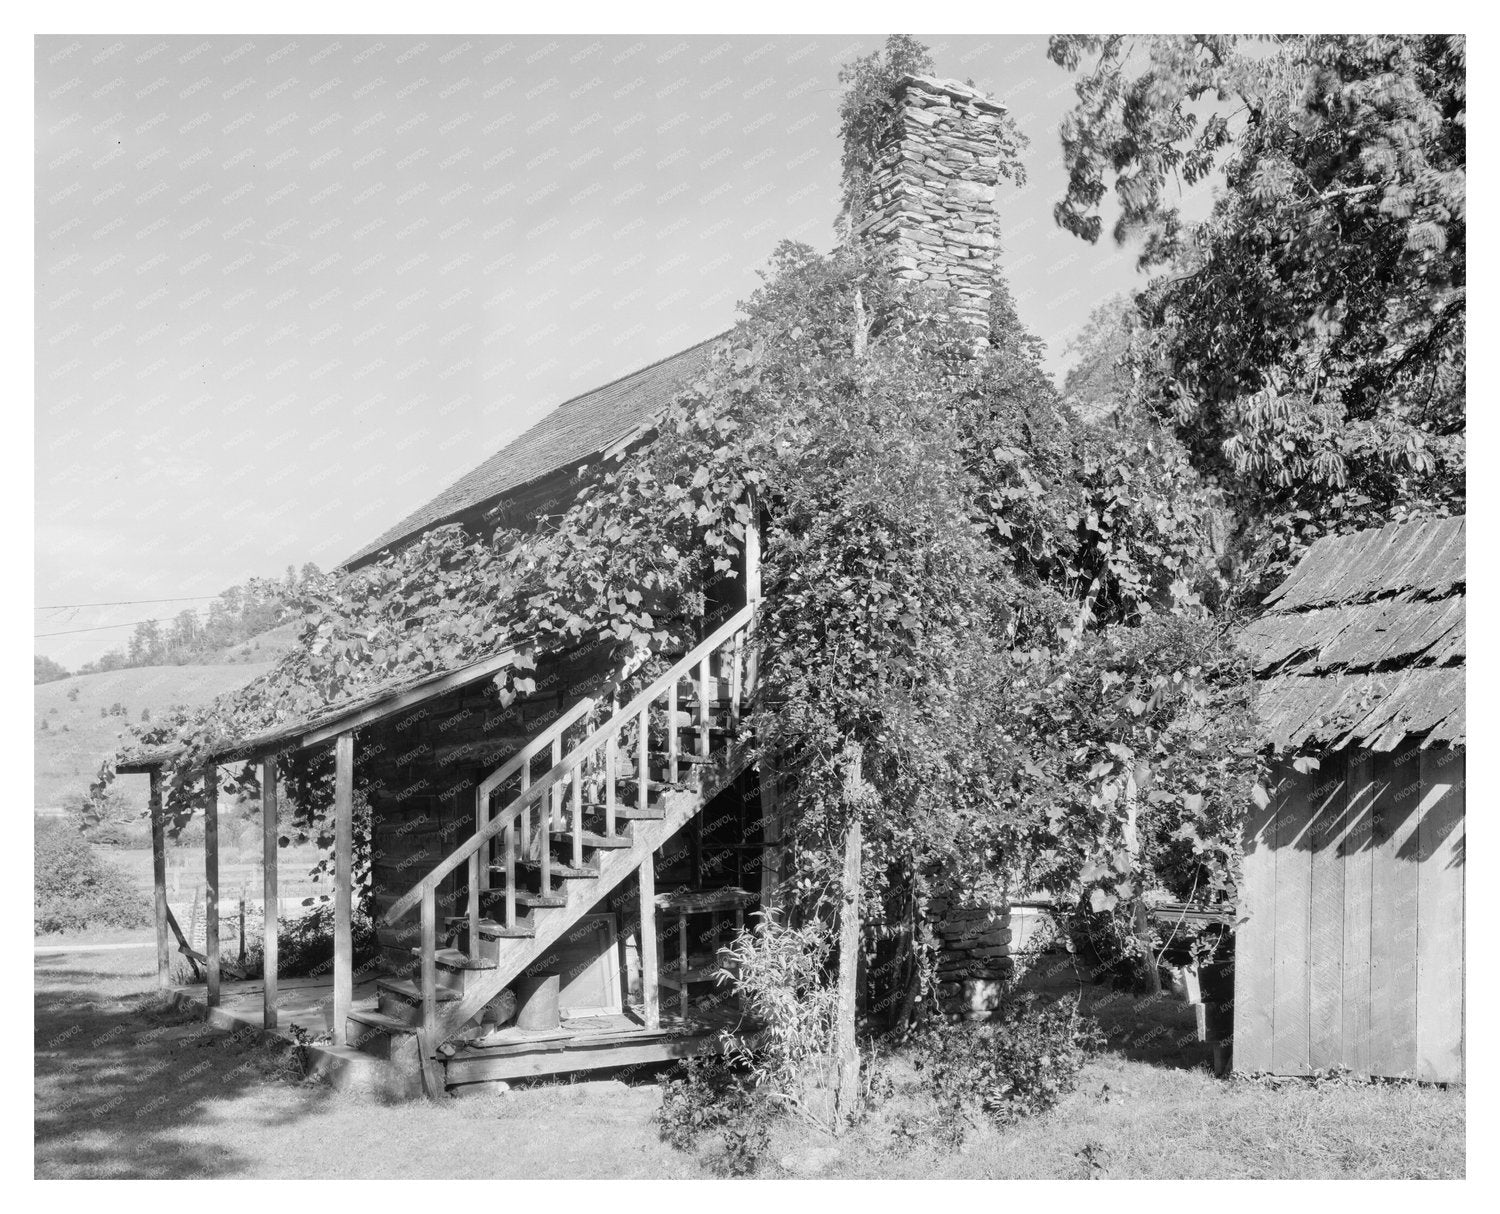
646	838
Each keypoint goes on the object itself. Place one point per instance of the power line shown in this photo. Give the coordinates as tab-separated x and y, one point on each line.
181	598
36	636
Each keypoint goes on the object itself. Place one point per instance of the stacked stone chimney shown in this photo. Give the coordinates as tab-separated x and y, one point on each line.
932	193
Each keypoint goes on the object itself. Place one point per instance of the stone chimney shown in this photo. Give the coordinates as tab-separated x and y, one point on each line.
932	193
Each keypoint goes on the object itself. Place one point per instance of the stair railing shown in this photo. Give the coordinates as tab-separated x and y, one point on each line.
567	776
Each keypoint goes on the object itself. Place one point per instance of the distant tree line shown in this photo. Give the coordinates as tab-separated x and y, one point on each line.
237	614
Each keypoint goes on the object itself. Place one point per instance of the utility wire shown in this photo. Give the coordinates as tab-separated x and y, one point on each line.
181	598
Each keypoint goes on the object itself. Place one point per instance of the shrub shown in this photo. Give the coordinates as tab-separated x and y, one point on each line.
1018	1065
304	946
76	889
713	1100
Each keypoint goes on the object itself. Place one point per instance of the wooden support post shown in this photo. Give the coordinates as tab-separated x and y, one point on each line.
650	977
672	732
159	882
269	852
343	885
682	958
211	881
429	965
577	818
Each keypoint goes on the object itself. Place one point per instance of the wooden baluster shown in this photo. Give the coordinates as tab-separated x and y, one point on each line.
703	708
555	794
429	960
486	849
736	655
510	875
544	822
577	817
672	732
643	764
474	900
526	813
611	761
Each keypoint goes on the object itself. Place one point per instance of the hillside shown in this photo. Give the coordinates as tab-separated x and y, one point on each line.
262	649
68	752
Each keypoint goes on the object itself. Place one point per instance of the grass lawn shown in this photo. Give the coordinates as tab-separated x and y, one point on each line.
125	1088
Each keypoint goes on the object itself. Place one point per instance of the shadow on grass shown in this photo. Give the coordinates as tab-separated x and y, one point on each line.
124	1082
1157	1029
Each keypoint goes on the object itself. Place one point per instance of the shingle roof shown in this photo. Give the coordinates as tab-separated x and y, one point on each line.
1365	642
574	432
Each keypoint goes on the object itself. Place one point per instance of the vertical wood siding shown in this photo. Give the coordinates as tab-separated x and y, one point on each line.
1350	947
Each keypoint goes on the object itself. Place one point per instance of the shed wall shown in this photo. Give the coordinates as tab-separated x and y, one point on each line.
1351	952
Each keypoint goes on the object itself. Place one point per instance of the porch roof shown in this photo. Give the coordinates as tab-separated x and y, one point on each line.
327	723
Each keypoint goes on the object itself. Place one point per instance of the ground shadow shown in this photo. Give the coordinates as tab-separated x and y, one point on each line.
123	1081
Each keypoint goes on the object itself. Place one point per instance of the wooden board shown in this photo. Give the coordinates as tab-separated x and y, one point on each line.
1255	939
1326	915
584	1057
1358	856
1393	915
1440	917
1291	1036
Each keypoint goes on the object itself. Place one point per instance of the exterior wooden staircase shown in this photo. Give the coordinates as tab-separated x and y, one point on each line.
561	843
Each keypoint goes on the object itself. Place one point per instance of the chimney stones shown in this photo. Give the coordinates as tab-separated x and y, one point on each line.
932	193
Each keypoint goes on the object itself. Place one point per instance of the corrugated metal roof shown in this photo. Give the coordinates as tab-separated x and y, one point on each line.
1365	642
574	432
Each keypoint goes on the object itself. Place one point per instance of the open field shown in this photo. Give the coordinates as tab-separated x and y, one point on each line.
67	759
125	1088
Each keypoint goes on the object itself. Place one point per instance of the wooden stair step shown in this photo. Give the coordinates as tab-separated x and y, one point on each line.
605	842
662	756
453	959
657	785
567	871
524	897
379	1020
628	813
407	989
488	928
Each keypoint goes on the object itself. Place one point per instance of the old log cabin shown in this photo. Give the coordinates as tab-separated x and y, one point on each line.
551	841
1350	951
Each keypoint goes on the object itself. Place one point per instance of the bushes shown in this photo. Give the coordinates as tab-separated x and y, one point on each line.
77	890
1018	1065
713	1099
304	946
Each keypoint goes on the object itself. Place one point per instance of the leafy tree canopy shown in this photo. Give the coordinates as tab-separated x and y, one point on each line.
1308	342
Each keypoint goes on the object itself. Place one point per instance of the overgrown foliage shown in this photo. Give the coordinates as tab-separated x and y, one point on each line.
1308	343
1019	1064
76	889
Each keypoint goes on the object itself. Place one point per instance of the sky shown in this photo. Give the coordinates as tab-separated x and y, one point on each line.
290	288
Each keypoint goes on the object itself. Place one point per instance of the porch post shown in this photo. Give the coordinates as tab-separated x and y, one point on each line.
159	882
770	825
211	879
269	919
343	883
650	990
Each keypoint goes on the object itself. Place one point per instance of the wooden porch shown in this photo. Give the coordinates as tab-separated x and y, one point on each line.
580	1043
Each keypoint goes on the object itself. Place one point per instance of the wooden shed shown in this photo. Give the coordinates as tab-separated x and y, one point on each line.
1350	949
